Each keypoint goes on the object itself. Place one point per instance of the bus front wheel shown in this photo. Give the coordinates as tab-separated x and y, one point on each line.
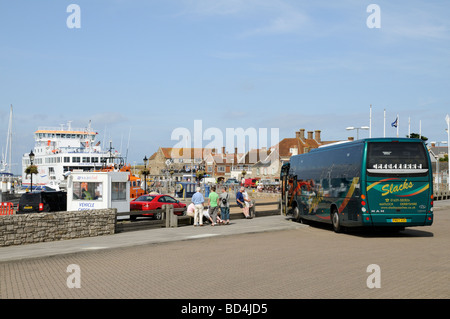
296	214
336	221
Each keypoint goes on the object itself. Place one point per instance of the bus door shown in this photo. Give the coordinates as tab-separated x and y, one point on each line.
399	189
284	179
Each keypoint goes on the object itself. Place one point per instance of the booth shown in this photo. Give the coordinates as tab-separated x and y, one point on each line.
98	190
185	189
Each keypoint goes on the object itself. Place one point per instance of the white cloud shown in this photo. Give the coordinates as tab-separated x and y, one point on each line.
285	22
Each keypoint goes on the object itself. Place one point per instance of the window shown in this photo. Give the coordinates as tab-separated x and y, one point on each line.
75	160
86	159
119	191
66	159
87	191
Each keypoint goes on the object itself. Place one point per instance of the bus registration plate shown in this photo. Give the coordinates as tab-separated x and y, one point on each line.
399	220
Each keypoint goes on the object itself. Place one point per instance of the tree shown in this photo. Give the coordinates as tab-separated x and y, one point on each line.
415	135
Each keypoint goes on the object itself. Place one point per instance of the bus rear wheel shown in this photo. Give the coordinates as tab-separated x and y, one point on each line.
336	221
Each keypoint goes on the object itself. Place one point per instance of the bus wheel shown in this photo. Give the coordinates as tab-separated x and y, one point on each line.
336	221
296	214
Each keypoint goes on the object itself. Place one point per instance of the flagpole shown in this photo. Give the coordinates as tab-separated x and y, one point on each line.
409	127
420	130
370	122
384	129
398	123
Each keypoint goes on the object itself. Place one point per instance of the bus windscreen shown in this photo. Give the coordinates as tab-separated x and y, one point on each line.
396	158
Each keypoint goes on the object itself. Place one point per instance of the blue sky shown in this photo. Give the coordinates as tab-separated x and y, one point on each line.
145	68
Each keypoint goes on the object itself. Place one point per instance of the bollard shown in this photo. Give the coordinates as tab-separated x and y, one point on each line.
171	218
252	209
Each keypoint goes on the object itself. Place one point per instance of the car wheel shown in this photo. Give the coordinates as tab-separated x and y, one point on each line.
157	215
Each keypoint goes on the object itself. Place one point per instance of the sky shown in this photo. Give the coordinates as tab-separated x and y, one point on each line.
142	70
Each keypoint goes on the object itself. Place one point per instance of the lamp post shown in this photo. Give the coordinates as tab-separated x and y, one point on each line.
447	119
357	129
31	155
145	173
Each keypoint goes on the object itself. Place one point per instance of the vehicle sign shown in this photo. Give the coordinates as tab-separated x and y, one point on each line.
28	207
399	220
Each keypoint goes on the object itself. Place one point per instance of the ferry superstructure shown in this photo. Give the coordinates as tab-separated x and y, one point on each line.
59	151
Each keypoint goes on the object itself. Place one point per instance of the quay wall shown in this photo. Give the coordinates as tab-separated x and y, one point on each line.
30	228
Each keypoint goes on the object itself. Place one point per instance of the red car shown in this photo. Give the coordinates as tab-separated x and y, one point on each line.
154	202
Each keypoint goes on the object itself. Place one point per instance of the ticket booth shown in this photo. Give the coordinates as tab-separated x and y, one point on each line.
98	190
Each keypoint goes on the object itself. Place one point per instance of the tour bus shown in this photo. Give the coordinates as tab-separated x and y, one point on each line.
377	182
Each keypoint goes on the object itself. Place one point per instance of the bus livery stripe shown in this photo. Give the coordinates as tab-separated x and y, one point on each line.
349	194
379	182
417	192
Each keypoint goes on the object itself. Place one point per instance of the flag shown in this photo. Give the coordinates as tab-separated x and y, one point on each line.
395	123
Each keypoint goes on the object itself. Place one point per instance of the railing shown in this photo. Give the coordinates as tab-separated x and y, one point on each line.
6	208
169	219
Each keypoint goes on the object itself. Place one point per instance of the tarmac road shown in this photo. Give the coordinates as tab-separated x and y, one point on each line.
245	260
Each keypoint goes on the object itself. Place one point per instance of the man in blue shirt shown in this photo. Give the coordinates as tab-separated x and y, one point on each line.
241	202
198	200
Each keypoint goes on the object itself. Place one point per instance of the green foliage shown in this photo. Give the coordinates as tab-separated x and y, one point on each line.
32	169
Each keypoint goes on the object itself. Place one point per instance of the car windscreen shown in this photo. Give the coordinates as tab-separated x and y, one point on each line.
145	198
396	158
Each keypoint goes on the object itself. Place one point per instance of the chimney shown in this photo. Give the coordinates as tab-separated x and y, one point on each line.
223	149
318	136
235	150
310	135
213	152
351	138
302	133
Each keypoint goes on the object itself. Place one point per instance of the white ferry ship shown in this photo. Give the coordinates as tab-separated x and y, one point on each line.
59	151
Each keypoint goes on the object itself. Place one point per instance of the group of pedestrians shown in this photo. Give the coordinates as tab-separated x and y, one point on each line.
219	206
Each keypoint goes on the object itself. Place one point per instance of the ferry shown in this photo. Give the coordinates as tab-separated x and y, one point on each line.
61	150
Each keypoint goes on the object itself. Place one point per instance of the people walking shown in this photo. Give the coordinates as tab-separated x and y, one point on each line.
213	205
198	200
224	206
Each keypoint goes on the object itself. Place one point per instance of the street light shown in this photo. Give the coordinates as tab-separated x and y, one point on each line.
447	120
145	173
31	155
357	129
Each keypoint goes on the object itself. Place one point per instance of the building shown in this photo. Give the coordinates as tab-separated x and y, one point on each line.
182	163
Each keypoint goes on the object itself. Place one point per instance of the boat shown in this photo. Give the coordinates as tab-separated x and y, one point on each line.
58	151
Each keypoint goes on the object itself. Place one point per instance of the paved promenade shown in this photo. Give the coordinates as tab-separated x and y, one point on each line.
266	257
154	236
